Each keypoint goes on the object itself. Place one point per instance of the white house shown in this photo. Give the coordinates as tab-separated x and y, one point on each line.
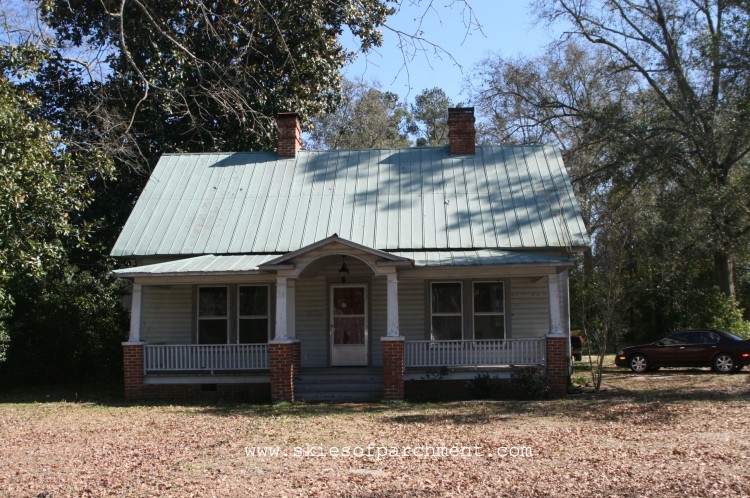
301	275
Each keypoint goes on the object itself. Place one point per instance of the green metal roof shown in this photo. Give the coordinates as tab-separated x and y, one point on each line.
208	263
507	197
234	265
485	257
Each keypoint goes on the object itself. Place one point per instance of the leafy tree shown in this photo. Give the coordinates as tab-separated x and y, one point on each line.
43	187
690	60
204	76
67	326
365	118
430	110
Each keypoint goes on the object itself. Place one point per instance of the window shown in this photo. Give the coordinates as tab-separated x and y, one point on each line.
213	314
446	312
253	314
489	310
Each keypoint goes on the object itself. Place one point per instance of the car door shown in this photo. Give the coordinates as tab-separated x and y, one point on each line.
702	354
671	351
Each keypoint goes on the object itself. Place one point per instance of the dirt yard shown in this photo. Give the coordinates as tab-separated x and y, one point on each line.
675	433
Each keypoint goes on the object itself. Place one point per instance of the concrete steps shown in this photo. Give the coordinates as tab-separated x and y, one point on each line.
339	384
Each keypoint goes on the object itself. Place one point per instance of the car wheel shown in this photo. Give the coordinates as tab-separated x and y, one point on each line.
724	363
638	363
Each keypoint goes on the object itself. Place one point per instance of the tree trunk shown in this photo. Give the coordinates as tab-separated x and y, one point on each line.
724	272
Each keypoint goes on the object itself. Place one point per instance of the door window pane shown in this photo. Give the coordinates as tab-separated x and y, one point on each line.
349	301
348	330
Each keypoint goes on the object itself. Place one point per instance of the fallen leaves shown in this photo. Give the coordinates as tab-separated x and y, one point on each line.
619	444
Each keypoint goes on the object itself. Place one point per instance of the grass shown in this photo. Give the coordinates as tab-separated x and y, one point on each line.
673	433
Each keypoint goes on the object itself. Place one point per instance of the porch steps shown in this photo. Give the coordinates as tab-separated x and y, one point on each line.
339	384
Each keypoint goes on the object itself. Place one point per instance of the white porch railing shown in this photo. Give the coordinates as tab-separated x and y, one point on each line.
475	352
202	357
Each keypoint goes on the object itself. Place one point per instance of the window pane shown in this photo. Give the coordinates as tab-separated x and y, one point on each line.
488	297
254	301
446	298
489	327
253	330
445	328
212	331
212	301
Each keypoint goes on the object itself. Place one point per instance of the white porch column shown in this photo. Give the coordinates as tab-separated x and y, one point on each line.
135	313
281	309
564	281
392	303
555	316
291	287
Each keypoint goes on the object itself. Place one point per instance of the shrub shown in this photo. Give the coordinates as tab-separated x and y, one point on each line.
532	383
484	386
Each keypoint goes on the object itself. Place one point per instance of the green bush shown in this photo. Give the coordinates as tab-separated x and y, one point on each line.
484	386
713	309
532	383
65	327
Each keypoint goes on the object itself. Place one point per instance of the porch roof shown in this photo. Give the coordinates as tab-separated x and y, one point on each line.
480	257
250	264
201	265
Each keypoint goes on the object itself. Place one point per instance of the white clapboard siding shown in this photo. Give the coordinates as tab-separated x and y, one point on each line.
378	318
166	314
411	309
529	305
312	321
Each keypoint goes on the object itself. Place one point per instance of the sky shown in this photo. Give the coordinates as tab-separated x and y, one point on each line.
508	28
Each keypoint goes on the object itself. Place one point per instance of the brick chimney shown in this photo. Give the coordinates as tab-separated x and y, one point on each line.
461	132
289	141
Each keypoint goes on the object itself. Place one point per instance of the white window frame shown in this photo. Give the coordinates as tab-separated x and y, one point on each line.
475	313
198	312
460	313
267	316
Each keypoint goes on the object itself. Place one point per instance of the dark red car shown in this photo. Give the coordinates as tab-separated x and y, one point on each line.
720	350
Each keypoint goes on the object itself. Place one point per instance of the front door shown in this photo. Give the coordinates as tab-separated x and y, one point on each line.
348	325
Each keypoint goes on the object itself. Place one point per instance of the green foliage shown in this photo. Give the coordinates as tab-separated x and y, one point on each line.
67	326
649	103
365	118
713	309
430	111
194	76
485	386
43	188
532	383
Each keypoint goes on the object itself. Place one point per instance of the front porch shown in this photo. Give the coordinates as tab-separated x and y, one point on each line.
226	358
335	304
277	366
